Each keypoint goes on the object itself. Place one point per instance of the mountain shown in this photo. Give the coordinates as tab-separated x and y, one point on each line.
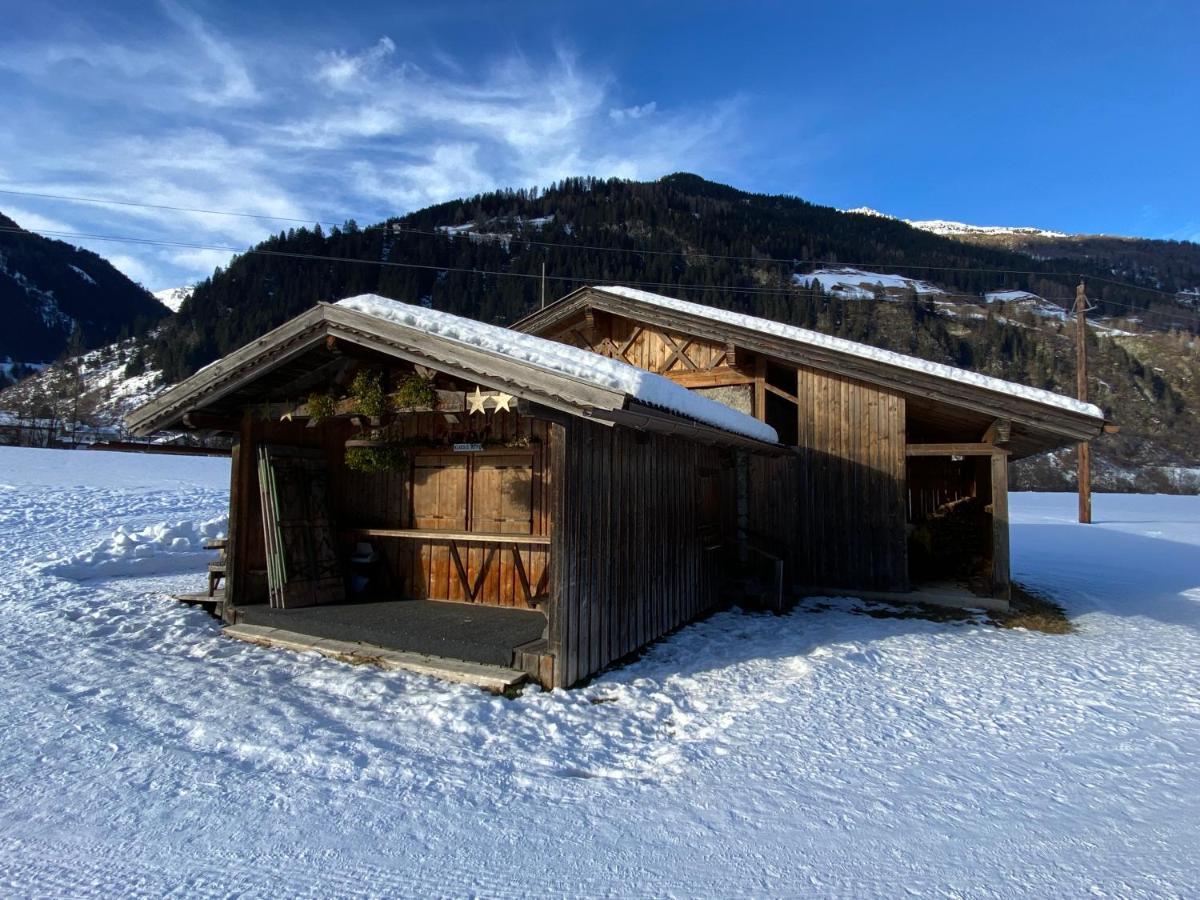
948	228
50	290
862	276
172	298
1165	265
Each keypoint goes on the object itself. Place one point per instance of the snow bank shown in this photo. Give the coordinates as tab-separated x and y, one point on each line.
158	549
841	345
646	387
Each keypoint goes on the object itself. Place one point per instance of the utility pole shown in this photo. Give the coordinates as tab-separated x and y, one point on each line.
543	284
1084	463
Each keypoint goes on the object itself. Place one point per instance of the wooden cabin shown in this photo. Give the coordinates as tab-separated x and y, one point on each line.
900	481
512	502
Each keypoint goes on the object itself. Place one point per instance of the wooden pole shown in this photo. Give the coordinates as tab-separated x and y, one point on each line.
543	284
1084	462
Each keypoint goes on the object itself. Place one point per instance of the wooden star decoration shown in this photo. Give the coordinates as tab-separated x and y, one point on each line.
503	401
475	401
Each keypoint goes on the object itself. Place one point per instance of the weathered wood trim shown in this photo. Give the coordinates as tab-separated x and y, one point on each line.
999	432
717	377
779	392
465	537
760	388
955	449
560	567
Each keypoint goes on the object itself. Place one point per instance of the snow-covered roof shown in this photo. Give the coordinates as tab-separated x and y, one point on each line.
865	351
563	359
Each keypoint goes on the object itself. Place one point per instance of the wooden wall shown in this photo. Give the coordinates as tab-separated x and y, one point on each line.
630	558
686	359
850	488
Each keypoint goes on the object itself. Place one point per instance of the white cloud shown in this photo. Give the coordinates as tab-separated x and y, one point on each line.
202	260
633	112
369	134
343	71
134	267
31	220
233	84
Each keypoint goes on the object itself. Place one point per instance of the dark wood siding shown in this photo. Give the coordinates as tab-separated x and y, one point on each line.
630	560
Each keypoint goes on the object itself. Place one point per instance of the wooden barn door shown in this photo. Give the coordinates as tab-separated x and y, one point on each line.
439	493
302	559
502	494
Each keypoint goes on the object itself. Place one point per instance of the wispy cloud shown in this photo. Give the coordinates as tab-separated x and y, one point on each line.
633	112
198	120
342	71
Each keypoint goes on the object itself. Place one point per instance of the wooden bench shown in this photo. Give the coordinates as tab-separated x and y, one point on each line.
216	570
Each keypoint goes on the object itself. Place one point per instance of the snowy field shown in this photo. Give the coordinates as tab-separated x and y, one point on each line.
824	753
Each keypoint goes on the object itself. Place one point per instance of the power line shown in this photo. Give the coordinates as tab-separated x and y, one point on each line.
400	227
788	290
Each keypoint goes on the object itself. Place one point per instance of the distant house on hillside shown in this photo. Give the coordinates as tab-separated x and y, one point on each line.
577	502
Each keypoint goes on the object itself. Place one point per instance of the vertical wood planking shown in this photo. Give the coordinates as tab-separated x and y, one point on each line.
630	534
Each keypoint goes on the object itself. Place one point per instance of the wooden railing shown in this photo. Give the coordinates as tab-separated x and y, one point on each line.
534	596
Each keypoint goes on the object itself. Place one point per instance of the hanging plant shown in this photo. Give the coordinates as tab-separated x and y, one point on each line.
372	459
415	391
320	408
368	395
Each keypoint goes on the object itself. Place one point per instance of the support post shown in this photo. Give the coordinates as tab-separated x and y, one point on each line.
241	487
1084	456
1001	585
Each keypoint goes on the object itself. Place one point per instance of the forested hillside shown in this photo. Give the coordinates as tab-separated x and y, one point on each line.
692	237
52	293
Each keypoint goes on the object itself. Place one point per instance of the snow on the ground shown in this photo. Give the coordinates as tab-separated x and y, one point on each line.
859	284
105	382
853	348
103	372
564	359
821	753
157	549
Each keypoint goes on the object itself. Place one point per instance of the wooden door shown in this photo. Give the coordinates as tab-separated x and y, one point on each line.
502	494
302	566
439	492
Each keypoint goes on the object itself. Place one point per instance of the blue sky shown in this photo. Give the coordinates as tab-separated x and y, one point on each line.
1071	116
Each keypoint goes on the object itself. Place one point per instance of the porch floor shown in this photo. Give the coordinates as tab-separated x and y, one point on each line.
466	631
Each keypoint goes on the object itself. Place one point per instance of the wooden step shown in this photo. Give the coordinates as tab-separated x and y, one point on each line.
496	679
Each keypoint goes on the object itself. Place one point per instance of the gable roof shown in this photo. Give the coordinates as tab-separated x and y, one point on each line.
540	371
1063	417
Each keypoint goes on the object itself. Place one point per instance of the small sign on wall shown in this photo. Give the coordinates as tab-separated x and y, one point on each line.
468	448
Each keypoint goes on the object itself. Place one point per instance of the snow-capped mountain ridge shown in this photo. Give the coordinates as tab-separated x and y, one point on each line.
950	228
